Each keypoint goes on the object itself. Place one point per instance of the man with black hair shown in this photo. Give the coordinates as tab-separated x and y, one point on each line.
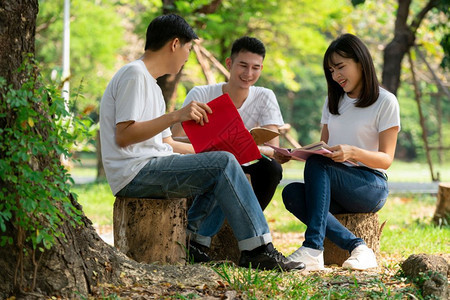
257	106
142	160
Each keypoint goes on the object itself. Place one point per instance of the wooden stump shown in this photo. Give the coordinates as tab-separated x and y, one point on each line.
151	230
365	226
224	246
442	213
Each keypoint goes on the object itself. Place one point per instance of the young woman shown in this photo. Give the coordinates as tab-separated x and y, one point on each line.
360	121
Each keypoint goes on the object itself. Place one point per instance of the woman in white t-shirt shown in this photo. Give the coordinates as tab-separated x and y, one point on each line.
360	122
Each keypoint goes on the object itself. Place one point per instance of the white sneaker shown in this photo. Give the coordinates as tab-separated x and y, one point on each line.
312	258
361	258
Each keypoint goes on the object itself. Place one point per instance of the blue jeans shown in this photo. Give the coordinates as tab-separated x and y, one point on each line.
265	176
216	181
333	188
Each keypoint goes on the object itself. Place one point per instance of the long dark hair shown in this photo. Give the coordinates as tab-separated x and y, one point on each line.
350	46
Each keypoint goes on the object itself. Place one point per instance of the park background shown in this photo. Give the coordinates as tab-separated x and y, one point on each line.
105	35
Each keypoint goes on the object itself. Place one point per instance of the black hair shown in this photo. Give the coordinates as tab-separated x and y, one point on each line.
165	28
350	46
247	44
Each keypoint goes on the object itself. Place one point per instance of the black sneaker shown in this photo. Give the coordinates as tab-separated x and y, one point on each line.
197	252
266	257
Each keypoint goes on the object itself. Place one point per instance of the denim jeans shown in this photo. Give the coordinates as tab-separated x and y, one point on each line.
265	176
333	188
216	181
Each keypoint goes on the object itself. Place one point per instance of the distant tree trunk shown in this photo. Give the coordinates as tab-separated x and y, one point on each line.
168	84
404	38
100	168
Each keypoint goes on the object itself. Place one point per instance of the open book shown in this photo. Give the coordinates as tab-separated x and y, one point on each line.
262	135
304	152
225	131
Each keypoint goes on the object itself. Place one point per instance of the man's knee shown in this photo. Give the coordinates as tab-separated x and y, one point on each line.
271	169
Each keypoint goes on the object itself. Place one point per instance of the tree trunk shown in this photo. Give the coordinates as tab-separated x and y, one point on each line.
101	175
17	34
151	230
397	48
404	38
365	226
76	263
168	84
442	213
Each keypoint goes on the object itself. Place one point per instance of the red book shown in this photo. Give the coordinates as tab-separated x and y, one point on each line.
224	132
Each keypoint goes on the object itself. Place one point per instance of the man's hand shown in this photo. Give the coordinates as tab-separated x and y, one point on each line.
196	111
281	158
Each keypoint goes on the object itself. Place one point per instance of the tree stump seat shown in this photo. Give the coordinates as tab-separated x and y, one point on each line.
442	213
151	230
363	225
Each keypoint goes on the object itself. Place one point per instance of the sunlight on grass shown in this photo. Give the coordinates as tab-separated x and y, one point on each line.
97	201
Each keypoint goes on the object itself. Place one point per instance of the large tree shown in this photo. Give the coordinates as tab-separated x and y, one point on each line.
48	247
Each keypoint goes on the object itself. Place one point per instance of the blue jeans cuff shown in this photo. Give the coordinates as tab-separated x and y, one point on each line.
254	242
202	240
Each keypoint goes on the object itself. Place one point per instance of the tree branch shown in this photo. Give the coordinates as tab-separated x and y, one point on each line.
402	15
209	8
419	17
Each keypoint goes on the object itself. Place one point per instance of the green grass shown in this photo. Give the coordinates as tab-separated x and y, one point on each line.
97	201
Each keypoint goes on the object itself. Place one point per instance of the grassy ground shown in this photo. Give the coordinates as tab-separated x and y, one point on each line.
408	231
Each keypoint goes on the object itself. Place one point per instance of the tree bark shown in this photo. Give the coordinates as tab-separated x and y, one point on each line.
151	230
17	34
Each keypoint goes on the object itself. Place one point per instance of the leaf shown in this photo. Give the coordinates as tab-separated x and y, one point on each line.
30	122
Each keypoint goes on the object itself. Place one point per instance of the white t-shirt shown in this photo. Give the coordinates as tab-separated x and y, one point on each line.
259	109
360	126
131	95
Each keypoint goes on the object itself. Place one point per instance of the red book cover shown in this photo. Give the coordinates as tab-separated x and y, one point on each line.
224	132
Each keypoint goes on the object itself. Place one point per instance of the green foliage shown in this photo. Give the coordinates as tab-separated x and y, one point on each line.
34	185
96	37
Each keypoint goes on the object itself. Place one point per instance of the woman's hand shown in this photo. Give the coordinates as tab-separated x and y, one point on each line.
341	153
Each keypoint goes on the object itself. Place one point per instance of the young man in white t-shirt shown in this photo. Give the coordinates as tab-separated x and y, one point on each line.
257	106
142	160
